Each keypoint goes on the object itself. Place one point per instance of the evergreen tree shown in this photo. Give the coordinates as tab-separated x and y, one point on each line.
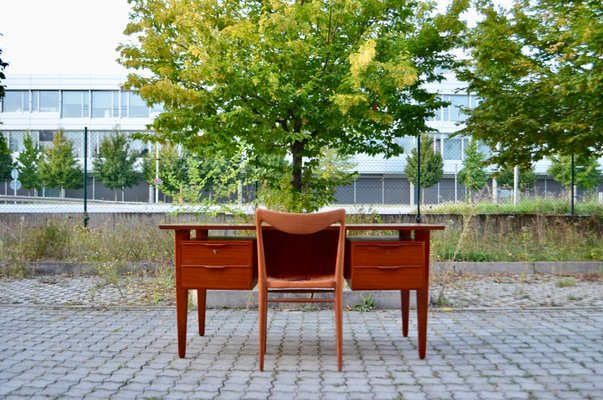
58	166
473	175
432	165
6	160
29	165
586	176
114	164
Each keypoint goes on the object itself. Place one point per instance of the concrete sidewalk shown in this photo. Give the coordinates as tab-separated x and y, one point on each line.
130	353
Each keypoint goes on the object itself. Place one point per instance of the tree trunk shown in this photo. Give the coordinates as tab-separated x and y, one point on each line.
296	152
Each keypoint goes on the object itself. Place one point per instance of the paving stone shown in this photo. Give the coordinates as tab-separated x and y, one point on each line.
509	352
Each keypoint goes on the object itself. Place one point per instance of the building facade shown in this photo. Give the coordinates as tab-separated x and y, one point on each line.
40	105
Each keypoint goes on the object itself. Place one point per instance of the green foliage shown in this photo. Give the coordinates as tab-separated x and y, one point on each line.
6	159
58	166
566	282
586	172
527	178
275	189
114	164
172	171
537	69
535	205
473	175
29	164
432	165
367	304
2	76
288	80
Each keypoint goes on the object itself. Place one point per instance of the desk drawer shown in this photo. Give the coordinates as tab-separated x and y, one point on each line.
387	265
218	264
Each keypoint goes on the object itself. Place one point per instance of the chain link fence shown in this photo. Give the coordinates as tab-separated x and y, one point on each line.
381	183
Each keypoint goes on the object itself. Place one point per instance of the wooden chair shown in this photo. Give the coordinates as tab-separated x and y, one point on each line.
309	264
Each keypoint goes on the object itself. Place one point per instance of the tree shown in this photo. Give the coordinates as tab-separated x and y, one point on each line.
473	175
432	165
289	79
29	165
537	70
114	164
586	175
58	166
527	178
172	171
2	76
6	160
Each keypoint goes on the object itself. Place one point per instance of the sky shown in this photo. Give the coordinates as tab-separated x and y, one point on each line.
62	36
66	36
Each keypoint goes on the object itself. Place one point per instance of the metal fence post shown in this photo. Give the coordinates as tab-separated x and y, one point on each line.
86	218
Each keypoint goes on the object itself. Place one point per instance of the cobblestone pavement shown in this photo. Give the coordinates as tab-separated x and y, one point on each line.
130	353
490	337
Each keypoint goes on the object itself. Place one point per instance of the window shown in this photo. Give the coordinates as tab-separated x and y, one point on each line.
437	113
15	101
75	104
15	140
102	104
453	149
137	106
49	101
454	109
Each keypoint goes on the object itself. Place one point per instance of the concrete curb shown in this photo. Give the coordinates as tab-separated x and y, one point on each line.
476	268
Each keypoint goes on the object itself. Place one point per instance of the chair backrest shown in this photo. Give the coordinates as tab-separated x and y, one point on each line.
300	224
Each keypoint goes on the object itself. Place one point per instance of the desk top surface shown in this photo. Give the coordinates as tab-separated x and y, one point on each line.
349	227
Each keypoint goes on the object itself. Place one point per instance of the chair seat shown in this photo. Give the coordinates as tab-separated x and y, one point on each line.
301	281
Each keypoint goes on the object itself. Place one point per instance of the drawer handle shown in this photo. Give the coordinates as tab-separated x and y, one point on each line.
220	266
215	244
389	266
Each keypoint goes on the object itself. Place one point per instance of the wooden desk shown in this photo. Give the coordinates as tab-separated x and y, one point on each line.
399	262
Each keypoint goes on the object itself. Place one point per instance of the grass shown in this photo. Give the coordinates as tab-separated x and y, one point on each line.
528	205
115	249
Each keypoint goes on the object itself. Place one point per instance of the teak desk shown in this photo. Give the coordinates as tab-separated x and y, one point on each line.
204	262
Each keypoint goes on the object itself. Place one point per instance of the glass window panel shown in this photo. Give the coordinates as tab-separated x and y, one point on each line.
72	104
12	101
49	101
35	101
15	140
456	103
157	108
101	104
124	105
77	141
86	105
138	108
453	149
115	95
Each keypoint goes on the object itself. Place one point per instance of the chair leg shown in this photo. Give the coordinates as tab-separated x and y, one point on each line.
262	300
339	327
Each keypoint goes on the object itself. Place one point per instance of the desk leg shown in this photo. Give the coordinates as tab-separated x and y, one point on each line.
201	294
422	304
404	306
181	311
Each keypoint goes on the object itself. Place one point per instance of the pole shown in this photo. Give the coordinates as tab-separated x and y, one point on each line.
516	185
86	218
573	185
418	179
